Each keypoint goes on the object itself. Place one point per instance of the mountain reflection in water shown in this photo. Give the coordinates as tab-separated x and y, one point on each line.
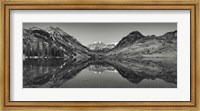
107	73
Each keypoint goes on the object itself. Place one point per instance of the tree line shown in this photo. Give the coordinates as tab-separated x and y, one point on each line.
40	48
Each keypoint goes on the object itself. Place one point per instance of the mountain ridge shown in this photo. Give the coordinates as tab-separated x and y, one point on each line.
137	45
54	42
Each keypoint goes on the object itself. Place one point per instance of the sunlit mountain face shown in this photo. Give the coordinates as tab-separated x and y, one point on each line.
54	59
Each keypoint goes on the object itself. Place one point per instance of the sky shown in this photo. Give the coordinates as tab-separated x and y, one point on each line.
88	33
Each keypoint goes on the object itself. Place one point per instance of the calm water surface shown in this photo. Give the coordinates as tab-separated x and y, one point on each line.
59	73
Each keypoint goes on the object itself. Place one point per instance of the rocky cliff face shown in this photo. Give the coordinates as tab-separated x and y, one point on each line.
52	42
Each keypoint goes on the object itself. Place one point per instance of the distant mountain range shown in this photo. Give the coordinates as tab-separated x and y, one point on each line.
101	47
54	42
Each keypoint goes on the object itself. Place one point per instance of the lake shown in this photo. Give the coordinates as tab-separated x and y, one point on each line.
106	73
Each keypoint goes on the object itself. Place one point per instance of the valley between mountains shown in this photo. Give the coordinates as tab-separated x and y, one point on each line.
53	42
54	59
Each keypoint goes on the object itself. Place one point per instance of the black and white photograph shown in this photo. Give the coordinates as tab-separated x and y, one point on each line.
99	55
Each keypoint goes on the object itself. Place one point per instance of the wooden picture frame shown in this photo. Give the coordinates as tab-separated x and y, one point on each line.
7	5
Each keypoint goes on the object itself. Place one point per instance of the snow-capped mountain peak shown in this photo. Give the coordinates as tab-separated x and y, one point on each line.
100	46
